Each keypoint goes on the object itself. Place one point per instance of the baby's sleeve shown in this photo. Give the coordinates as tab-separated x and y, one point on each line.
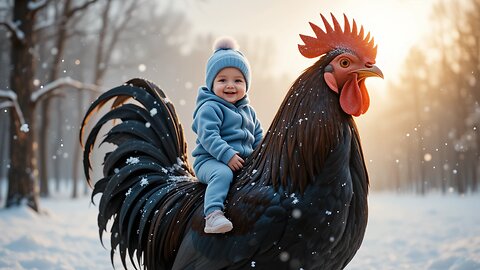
208	122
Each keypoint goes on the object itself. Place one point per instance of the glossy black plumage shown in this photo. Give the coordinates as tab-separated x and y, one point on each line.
299	202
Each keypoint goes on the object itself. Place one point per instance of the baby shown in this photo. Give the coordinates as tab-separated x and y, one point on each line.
226	126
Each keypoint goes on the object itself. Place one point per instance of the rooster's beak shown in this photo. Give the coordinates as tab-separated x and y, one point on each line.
373	71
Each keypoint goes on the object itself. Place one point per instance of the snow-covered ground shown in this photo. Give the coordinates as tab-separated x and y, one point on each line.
404	232
410	232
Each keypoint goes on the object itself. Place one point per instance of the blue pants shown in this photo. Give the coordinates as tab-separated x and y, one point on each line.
218	177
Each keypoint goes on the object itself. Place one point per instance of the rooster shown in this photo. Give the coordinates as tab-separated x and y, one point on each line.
300	202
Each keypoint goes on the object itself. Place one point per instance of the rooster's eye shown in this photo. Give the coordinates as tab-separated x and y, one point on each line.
344	63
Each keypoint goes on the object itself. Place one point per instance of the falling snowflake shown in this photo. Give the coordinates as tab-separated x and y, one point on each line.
284	256
296	213
148	124
295	199
128	192
143	182
132	160
24	128
142	67
153	111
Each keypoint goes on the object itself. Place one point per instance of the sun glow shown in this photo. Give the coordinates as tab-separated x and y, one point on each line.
396	25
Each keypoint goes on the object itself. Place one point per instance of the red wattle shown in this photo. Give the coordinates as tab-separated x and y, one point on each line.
351	98
365	97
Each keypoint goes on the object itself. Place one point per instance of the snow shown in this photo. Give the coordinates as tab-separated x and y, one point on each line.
153	112
132	160
143	181
65	82
14	27
34	5
404	232
409	232
64	236
24	128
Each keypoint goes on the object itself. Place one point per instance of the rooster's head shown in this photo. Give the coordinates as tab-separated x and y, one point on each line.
353	61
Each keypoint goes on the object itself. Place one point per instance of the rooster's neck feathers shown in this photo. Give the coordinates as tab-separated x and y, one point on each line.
305	130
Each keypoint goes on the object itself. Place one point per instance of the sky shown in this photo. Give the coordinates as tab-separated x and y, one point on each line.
395	24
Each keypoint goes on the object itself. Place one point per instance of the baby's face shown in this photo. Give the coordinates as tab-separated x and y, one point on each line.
230	85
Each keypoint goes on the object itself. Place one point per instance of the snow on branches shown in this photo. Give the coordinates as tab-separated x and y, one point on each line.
12	98
14	29
62	83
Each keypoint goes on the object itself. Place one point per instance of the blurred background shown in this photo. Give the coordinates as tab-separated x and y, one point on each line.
419	136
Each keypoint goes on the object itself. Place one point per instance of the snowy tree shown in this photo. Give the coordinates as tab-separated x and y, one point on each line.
23	96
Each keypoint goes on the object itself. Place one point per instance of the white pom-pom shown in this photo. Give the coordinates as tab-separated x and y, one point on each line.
225	43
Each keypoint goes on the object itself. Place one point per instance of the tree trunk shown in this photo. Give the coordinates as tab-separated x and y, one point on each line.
476	164
54	74
4	149
460	174
57	162
43	150
22	176
77	150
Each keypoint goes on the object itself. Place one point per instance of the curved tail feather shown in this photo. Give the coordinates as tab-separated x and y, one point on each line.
151	97
148	184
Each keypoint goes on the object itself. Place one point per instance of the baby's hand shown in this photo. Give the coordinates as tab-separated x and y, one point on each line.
235	163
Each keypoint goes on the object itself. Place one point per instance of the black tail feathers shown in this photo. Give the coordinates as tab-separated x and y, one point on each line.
152	122
147	181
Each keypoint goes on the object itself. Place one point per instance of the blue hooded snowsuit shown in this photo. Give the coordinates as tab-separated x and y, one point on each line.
222	129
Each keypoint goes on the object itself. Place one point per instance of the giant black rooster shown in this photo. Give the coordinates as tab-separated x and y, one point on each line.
300	201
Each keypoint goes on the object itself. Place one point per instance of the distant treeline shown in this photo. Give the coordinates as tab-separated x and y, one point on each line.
429	135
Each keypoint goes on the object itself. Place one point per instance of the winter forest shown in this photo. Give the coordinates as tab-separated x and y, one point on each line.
64	53
419	138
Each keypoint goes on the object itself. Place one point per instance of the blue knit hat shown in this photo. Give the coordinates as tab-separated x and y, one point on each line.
226	54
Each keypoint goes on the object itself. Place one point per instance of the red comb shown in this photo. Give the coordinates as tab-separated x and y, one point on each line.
336	38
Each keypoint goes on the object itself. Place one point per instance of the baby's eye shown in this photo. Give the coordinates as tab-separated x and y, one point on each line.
238	81
221	80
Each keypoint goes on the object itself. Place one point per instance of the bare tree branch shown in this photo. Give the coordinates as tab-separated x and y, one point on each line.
80	8
115	36
35	6
44	24
6	104
13	28
99	59
60	83
12	96
9	94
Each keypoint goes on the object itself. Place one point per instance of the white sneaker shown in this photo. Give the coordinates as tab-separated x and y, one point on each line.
216	222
